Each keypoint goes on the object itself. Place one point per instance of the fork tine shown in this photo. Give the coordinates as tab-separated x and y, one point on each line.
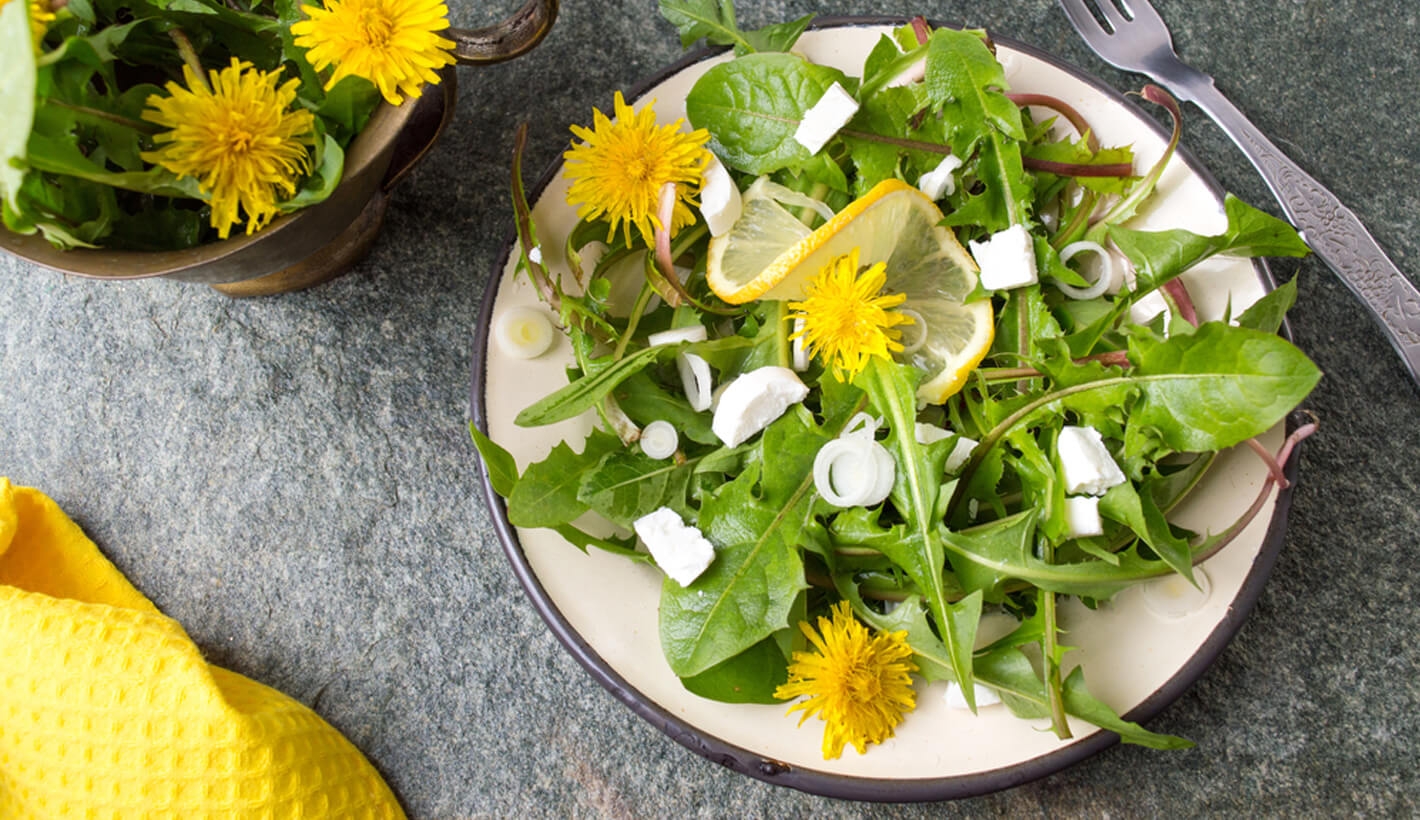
1142	11
1083	19
1112	15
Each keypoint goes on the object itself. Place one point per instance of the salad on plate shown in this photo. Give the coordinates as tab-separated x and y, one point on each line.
878	364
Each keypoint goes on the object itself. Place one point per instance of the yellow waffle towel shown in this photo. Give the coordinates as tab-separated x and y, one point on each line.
107	708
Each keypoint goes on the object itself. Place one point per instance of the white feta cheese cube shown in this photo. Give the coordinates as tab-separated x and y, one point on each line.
832	111
1006	259
1088	467
1082	516
752	401
985	696
535	255
939	181
680	550
720	202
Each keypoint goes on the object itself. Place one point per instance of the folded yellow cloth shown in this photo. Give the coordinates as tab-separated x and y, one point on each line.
107	708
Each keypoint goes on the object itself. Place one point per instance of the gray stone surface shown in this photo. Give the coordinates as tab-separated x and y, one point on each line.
292	479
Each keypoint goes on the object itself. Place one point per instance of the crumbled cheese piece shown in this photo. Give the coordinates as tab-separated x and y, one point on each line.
680	550
939	181
720	202
929	433
752	401
692	333
1082	516
1089	468
832	111
985	696
1006	259
535	255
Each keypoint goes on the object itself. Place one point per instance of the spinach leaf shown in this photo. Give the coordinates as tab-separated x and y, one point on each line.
752	107
749	677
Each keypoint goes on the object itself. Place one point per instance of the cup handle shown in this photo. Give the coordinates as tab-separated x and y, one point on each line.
514	36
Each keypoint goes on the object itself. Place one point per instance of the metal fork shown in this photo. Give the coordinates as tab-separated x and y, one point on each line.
1133	37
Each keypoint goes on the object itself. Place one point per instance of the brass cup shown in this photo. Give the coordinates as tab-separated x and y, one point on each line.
318	243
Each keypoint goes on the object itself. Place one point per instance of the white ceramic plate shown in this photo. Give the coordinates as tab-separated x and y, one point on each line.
604	609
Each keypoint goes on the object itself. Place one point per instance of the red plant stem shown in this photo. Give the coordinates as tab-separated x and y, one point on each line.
1274	476
920	28
1179	293
1077	169
1064	109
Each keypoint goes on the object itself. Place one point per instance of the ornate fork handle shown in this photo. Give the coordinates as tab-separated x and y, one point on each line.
1330	228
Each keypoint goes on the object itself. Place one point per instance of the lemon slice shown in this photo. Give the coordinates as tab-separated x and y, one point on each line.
894	223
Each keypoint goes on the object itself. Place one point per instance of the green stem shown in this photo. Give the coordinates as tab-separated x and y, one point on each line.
642	299
189	56
108	116
1051	652
783	347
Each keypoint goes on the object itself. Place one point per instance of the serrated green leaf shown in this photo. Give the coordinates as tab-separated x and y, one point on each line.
749	590
547	493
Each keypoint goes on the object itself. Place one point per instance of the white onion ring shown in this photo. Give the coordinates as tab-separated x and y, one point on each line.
659	439
861	461
695	380
862	424
918	322
1106	277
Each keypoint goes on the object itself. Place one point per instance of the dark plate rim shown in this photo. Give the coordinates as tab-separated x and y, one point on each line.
813	781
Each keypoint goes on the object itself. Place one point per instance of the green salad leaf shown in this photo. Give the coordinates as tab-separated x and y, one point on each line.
968	507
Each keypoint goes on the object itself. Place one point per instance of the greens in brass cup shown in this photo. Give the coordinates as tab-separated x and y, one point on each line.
889	480
165	124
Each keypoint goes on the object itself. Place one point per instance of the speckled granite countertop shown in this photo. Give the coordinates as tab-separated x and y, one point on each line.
291	477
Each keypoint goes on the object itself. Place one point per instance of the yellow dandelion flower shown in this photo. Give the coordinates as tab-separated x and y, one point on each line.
391	43
236	137
41	15
857	683
846	317
619	168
